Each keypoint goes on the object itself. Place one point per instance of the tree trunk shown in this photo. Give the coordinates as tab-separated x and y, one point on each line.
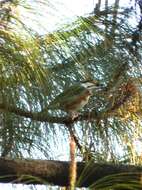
57	172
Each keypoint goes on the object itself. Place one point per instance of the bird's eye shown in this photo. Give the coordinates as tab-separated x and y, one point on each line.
98	84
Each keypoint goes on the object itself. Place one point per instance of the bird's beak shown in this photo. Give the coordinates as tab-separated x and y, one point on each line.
93	84
98	86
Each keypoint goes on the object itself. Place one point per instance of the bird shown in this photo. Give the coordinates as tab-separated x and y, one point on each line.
74	98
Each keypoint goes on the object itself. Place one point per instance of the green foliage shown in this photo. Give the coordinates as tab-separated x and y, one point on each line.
35	68
119	181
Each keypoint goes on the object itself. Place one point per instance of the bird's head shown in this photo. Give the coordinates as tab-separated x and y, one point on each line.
91	84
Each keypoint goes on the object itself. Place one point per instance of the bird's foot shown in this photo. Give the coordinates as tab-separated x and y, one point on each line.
73	115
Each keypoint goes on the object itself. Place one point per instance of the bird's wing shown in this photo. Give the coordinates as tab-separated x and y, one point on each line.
68	95
71	91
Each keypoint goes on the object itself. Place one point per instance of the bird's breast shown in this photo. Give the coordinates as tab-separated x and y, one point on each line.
78	103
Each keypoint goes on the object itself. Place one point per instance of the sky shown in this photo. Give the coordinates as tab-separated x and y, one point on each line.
58	12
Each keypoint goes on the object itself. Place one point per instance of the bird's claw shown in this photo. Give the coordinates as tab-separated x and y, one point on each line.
73	115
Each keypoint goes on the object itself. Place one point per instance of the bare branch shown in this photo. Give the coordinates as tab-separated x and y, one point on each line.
57	172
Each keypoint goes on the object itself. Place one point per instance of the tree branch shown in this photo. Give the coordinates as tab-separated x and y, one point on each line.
57	172
129	90
46	117
43	117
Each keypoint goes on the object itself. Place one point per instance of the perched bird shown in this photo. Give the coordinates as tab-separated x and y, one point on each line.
74	98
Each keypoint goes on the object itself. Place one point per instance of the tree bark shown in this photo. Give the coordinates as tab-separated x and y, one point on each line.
57	172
